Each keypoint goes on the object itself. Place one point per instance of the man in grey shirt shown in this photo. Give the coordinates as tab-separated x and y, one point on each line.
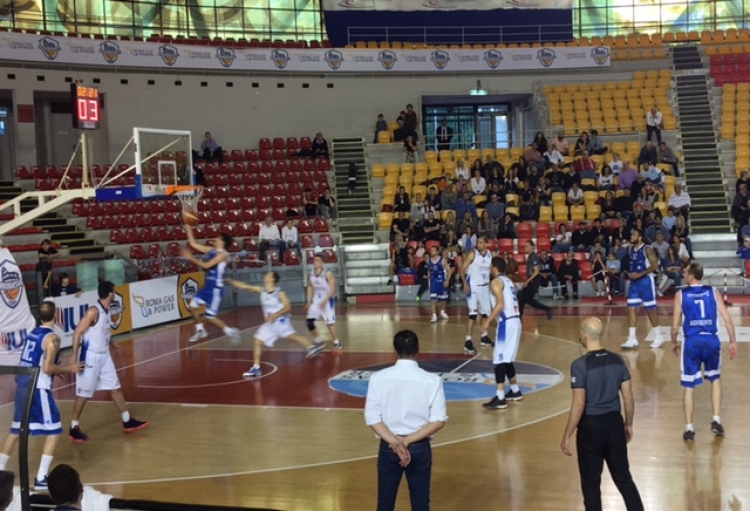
598	379
660	245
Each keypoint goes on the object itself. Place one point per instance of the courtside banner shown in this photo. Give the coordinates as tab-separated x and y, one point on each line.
92	52
158	301
70	310
441	5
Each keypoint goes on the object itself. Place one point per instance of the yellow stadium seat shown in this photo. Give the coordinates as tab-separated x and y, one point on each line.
388	200
430	156
487	152
545	213
559	198
577	213
391	179
502	154
516	152
421	167
661	206
560	212
419	190
386	219
477	199
445	156
512	198
513	210
407	168
390	190
589	197
459	154
393	169
473	154
378	171
384	137
593	211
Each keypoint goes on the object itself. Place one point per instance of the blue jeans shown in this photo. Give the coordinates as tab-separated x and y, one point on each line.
418	474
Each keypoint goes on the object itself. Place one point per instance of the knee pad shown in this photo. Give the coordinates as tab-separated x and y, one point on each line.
473	317
310	324
510	370
500	373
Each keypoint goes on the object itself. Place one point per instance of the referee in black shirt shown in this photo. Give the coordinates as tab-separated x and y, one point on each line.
527	295
598	378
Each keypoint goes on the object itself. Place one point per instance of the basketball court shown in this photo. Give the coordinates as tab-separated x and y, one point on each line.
296	438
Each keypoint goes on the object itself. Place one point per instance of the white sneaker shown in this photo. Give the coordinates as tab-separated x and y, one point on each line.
555	296
235	337
658	342
433	319
630	343
659	293
443	315
198	335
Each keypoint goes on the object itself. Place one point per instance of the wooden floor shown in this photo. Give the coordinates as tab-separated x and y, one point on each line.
291	442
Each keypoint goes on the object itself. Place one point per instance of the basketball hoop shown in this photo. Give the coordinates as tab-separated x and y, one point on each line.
188	197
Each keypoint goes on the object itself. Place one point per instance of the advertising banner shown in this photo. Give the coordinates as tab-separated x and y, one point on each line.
70	310
158	301
15	315
442	5
91	52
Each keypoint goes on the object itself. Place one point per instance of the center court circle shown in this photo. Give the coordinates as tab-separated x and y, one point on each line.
462	380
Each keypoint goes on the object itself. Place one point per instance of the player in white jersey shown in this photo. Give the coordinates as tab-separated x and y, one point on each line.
212	291
475	273
91	345
277	313
41	349
321	301
505	310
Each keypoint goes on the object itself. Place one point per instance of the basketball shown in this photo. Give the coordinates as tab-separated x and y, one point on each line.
189	218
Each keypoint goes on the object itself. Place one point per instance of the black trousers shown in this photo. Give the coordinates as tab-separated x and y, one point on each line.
601	438
650	130
527	294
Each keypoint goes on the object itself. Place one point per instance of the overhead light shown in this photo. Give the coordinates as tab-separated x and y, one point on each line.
479	91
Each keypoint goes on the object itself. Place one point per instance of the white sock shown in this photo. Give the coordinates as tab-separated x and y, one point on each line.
199	327
256	366
631	332
468	337
74	424
336	341
657	334
484	334
689	427
228	330
318	340
514	387
3	461
501	394
125	416
717	418
44	467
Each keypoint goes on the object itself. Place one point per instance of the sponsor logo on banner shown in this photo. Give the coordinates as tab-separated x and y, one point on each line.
188	290
226	56
334	58
50	48
280	58
169	54
110	51
439	4
387	59
440	59
188	285
156	305
357	4
116	311
546	56
11	284
493	58
600	54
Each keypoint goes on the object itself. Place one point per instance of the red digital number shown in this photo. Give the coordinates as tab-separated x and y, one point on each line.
93	110
83	110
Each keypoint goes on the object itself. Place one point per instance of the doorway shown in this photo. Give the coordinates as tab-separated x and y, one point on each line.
7	136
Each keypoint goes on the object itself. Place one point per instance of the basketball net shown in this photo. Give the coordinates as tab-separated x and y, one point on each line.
188	197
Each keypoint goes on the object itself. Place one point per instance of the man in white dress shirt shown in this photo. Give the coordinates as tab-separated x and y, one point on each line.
653	124
268	236
405	406
680	202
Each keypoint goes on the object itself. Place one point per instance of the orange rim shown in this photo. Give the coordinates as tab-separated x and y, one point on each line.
175	189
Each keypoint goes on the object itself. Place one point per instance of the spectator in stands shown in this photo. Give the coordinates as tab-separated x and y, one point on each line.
582	144
582	241
575	195
495	208
638	184
654	124
541	142
399	134
535	174
351	179
533	156
596	146
210	149
648	154
463	171
448	198
431	227
589	175
682	231
410	150
400	226
451	243
468	241
668	156
521	168
741	206
613	268
380	125
496	176
660	244
569	273
422	272
433	199
478	184
744	179
563	240
450	222
544	192
401	258
553	157
654	174
679	201
290	236
511	181
744	251
269	236
65	488
671	267
609	205
529	208
556	179
418	210
506	229
320	146
486	226
327	206
401	200
670	220
600	233
598	273
461	186
310	203
606	179
466	204
644	200
410	122
7	479
548	272
511	268
625	204
616	164
65	287
560	143
46	254
681	250
443	135
597	247
467	220
627	176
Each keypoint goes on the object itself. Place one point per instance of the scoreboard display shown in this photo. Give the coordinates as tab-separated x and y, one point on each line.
86	111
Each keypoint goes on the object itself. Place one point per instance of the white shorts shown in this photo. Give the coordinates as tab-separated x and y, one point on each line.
327	312
479	300
507	340
269	333
98	374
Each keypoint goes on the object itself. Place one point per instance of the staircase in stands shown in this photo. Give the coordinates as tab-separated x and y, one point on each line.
703	174
355	218
58	227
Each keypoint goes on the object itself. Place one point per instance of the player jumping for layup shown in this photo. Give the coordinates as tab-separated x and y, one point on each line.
508	337
439	274
641	291
278	325
41	349
213	291
701	307
321	301
91	344
475	273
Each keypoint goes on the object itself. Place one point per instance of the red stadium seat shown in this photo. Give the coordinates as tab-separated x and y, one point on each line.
247	202
319	176
296	189
324	165
505	245
278	154
264	201
558	258
249	180
293	201
279	189
522	271
491	246
543	230
150	234
431	243
244	229
179	233
23	173
305	177
543	244
117	237
305	143
307	241
291	258
580	257
264	179
264	155
251	155
329	256
325	240
237	155
522	245
320	225
280	170
278	213
524	230
250	245
291	177
519	258
309	165
174	249
253	167
278	143
278	201
305	226
212	231
295	165
292	143
265	143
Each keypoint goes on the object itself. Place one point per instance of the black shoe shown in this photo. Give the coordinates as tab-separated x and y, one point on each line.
133	425
469	348
688	436
77	436
717	429
575	296
565	297
486	342
549	313
514	396
495	404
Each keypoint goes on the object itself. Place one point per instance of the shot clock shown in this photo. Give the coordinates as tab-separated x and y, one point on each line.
86	111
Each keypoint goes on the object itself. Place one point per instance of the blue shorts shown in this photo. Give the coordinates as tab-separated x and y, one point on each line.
44	418
642	292
701	350
438	291
210	297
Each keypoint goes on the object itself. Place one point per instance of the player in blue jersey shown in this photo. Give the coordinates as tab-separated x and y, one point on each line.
439	274
642	291
41	349
697	309
212	291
